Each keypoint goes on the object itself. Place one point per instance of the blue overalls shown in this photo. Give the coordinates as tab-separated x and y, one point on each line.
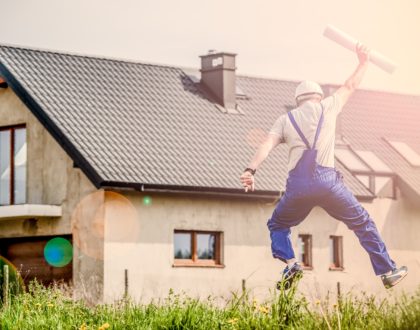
310	184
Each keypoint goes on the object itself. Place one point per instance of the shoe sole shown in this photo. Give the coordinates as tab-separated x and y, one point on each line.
396	282
287	283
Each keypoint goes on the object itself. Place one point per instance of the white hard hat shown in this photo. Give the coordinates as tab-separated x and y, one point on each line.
308	87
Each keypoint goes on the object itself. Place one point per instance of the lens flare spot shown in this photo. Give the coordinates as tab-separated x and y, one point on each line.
255	137
58	252
147	200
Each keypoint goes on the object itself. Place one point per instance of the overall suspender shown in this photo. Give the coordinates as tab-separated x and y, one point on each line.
298	130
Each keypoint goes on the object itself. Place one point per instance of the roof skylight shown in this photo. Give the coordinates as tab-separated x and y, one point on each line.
406	151
350	160
373	161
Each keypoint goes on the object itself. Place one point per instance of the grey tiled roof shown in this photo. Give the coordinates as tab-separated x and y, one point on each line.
134	123
373	117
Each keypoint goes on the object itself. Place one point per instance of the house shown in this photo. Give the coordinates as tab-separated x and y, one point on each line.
138	165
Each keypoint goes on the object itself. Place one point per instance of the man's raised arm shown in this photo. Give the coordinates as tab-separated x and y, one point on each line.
354	80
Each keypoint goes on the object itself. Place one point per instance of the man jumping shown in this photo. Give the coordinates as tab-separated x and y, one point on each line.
313	179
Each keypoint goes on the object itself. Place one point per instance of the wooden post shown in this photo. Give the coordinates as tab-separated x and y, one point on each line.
339	293
243	285
5	285
125	283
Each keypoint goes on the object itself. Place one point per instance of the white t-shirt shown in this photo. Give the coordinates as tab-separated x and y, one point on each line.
307	116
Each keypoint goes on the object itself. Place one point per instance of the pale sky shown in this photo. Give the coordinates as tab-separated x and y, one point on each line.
273	38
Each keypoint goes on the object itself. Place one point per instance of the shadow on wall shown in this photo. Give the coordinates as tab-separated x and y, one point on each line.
401	226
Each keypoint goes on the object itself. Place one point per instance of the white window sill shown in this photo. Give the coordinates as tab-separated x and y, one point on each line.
19	211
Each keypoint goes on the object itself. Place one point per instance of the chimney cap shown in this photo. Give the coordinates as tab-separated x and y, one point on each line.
213	52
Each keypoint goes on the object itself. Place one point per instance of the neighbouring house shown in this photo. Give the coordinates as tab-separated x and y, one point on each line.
138	166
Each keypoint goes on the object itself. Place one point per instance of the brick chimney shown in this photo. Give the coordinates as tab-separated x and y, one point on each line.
218	75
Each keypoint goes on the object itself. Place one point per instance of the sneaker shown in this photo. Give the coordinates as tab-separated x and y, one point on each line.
395	277
289	276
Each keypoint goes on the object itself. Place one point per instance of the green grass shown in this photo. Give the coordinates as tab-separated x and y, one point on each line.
51	308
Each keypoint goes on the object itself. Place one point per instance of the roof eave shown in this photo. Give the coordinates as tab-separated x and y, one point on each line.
204	191
51	127
191	190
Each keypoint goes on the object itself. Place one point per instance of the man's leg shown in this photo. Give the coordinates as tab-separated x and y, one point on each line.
342	205
288	212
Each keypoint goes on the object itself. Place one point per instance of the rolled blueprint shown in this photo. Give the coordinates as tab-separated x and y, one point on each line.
350	43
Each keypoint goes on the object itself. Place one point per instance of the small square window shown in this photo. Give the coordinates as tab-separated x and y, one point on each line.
305	251
183	245
336	253
197	248
206	246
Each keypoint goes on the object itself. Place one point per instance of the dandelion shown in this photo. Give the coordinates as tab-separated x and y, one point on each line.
233	321
83	327
50	305
264	309
104	326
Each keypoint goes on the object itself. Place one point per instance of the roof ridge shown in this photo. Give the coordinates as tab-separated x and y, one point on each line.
90	56
183	68
282	80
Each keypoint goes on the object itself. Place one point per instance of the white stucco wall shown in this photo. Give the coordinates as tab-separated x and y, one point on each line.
144	246
51	179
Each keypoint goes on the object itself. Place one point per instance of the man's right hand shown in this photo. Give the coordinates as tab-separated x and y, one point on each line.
362	53
354	80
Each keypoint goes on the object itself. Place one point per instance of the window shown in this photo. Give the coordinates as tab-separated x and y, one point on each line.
407	152
197	248
336	253
12	165
305	251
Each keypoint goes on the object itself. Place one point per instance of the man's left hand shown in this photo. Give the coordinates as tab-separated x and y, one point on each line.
247	180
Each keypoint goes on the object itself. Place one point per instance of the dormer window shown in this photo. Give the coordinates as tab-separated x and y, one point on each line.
12	165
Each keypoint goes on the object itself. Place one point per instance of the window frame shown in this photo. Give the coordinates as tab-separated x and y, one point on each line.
194	261
12	129
306	238
338	263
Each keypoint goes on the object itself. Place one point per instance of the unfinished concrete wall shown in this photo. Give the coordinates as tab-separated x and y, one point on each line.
51	179
145	247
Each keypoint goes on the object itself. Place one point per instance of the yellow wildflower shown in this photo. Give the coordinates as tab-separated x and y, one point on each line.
83	327
38	305
50	305
264	309
233	321
104	326
317	302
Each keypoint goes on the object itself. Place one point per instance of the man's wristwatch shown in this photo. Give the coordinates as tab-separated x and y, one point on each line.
250	170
